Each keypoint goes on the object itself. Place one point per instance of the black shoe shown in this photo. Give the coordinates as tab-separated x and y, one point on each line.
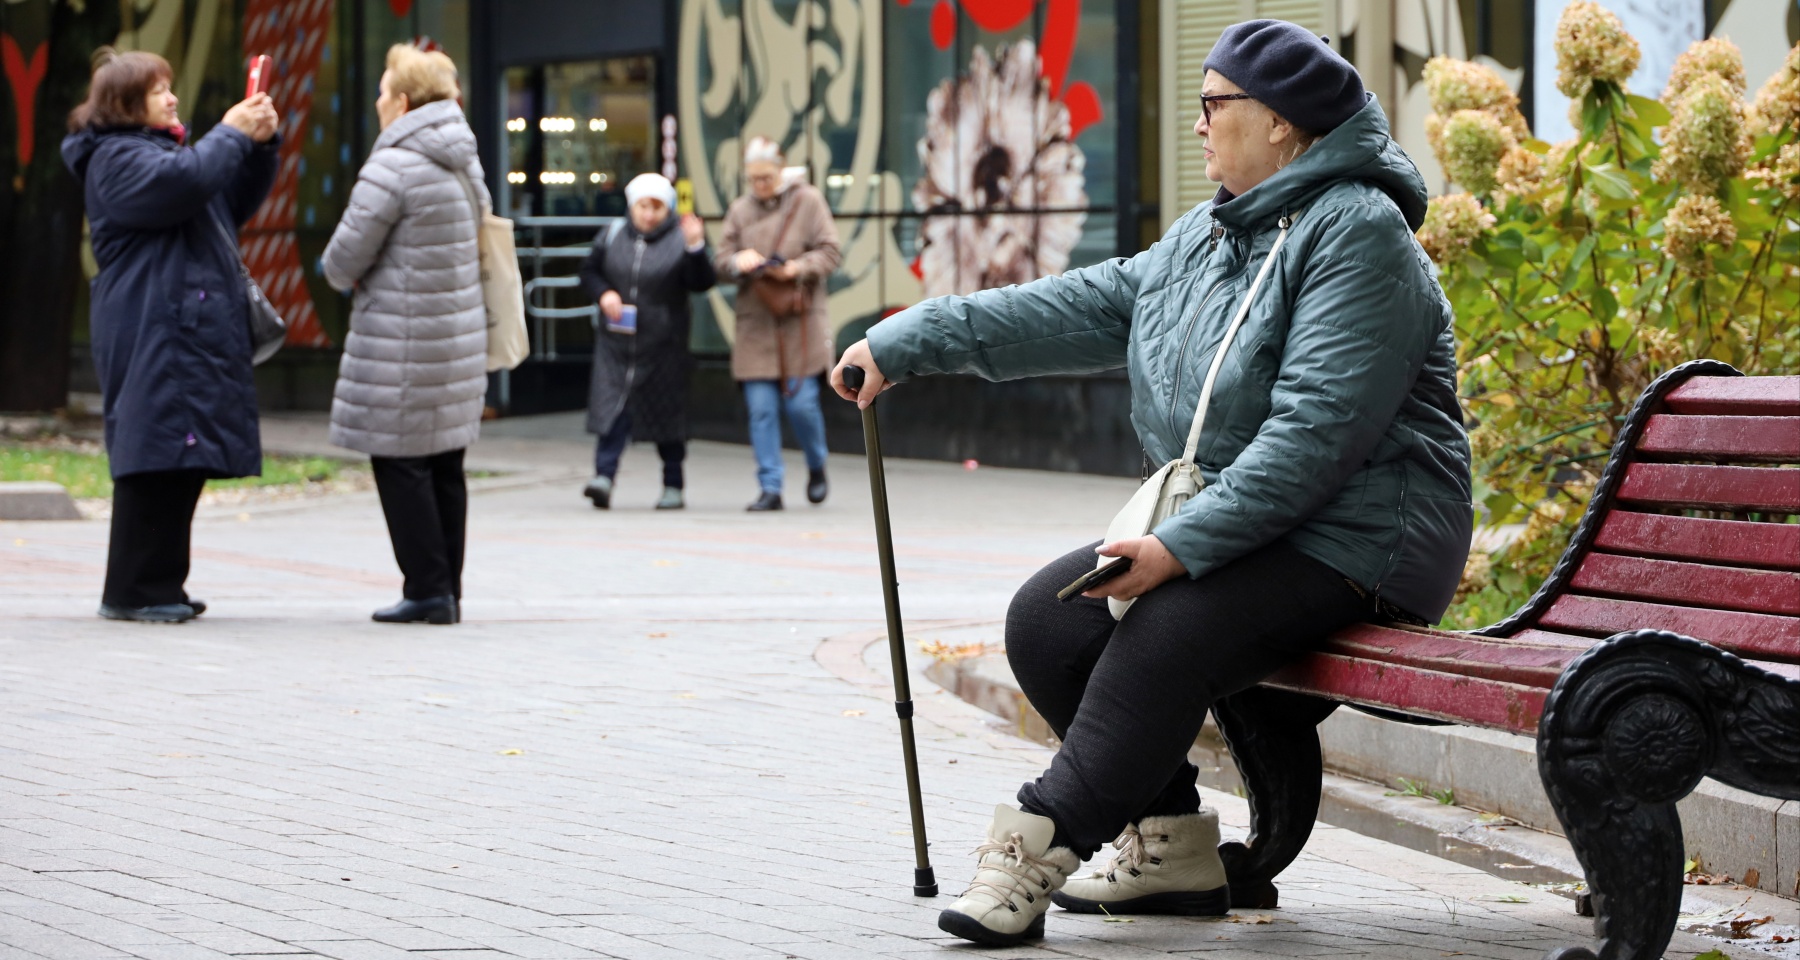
765	501
198	605
160	613
439	610
817	487
599	490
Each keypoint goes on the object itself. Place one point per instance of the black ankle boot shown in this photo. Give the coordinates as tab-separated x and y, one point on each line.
438	610
817	487
158	613
765	501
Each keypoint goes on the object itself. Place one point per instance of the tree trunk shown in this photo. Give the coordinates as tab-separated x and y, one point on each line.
45	48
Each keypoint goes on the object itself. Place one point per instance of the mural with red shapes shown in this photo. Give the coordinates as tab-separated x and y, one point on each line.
1062	28
24	74
294	34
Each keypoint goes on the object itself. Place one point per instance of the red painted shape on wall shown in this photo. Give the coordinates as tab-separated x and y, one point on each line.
1062	24
23	76
294	33
943	24
999	16
1084	107
400	7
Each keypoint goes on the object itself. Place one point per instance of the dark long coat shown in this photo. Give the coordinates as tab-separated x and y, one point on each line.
648	370
169	312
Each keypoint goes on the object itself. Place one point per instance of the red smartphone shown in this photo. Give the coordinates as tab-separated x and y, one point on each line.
262	73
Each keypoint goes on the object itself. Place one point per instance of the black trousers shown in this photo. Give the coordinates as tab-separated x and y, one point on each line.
612	446
426	504
152	520
1128	697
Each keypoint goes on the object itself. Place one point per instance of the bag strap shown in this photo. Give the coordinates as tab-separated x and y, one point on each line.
230	242
1212	373
775	249
469	191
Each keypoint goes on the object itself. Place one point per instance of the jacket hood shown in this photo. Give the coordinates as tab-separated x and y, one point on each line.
656	233
438	130
1359	149
78	148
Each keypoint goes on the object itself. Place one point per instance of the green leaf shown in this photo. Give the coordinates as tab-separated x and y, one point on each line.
1606	306
1612	184
1648	110
1578	263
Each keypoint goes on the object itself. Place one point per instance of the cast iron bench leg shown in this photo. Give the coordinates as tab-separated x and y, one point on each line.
1274	739
1630	728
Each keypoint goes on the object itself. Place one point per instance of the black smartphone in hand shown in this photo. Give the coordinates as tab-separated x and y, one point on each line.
1094	578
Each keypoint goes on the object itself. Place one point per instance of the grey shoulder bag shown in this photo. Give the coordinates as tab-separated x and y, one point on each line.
267	330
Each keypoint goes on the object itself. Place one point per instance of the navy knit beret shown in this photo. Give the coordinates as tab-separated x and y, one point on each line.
1291	71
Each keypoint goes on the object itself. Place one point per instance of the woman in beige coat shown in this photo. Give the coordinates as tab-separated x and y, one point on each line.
780	232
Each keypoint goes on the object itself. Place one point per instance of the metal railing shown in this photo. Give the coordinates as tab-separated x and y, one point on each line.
534	256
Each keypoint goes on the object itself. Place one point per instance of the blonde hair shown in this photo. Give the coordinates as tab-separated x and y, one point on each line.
424	77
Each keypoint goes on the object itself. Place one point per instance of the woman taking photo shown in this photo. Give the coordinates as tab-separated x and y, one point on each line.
778	246
641	274
410	385
169	314
1336	469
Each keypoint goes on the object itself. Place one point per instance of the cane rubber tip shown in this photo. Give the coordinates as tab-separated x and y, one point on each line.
924	883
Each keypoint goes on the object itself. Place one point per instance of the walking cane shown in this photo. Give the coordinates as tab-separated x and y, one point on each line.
924	884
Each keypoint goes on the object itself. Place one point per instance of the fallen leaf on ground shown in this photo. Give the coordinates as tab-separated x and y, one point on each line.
1741	927
656	636
665	563
854	713
686	696
1509	898
511	752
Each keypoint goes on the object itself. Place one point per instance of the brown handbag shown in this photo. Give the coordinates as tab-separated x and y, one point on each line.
783	298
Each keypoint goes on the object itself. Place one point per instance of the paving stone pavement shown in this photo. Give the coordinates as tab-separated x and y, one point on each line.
654	736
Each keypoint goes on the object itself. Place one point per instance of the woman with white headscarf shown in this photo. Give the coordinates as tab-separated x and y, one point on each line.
641	273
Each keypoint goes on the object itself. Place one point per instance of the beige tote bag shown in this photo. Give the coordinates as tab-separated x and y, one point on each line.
502	288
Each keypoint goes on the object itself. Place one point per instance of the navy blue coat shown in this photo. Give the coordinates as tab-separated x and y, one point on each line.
168	312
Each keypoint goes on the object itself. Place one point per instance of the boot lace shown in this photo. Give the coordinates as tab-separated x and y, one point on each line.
1131	855
1023	871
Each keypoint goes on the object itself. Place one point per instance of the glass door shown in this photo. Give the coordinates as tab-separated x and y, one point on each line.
576	133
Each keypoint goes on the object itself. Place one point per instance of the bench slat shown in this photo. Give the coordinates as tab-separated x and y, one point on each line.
1758	636
1702	487
1774	545
1514	660
1737	396
1750	439
1698	584
1429	693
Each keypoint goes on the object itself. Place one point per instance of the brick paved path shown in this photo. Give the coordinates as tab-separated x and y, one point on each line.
656	736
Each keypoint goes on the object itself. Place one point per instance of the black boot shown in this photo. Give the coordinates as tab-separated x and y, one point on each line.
438	610
765	501
817	487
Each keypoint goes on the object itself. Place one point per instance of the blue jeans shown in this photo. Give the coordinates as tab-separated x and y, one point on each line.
766	403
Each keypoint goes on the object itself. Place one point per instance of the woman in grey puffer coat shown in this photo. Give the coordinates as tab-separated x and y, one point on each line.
414	373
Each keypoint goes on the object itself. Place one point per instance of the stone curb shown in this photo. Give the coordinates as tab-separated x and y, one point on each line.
35	500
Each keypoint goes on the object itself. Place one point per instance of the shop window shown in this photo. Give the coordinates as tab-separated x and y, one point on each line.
576	133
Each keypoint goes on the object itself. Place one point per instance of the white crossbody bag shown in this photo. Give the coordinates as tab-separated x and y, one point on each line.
1179	480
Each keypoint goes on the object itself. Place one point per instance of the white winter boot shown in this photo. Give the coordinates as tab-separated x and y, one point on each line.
1018	872
1164	865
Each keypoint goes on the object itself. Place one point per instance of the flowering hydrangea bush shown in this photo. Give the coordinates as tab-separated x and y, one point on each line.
1666	231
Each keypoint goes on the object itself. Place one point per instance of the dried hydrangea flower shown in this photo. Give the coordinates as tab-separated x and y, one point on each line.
1591	44
1662	346
1716	56
1520	173
995	144
1473	144
1781	172
1454	85
1452	222
1704	144
1778	102
1695	223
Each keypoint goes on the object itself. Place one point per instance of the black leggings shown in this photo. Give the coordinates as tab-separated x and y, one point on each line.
1129	697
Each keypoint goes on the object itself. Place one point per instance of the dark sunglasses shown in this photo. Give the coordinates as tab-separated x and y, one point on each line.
1206	102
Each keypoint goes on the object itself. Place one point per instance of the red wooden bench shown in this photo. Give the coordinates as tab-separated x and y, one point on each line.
1663	648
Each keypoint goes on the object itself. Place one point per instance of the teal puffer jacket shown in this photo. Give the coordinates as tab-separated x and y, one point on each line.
1334	423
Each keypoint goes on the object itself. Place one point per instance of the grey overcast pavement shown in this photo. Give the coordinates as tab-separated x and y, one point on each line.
655	735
